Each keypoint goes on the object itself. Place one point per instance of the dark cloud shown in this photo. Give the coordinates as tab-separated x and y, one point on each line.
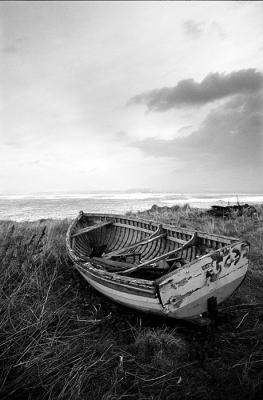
192	28
230	136
213	87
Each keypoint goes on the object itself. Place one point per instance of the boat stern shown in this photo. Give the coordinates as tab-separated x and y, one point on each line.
185	294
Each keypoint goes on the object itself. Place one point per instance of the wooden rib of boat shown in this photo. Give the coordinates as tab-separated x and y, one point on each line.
156	268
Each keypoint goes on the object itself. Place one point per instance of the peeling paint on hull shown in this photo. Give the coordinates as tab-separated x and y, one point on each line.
195	303
186	297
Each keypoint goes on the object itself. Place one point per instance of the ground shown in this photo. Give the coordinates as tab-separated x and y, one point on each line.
60	339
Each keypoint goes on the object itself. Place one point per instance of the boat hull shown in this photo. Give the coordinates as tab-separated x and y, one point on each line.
183	293
125	295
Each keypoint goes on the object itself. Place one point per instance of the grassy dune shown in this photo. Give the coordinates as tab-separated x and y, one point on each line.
60	339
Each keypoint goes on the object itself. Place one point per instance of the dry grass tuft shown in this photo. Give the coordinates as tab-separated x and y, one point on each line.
160	348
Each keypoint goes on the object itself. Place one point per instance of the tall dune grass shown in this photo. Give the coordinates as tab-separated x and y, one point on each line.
60	339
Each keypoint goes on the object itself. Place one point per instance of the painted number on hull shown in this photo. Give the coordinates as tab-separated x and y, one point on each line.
185	288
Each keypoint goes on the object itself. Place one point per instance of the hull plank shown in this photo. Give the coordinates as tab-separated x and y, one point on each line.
139	302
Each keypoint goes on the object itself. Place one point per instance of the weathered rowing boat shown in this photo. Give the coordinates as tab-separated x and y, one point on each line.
156	268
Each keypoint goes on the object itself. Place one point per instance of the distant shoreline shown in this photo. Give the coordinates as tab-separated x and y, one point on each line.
150	210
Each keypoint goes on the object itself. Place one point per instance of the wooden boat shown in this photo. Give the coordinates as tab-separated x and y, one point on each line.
232	211
156	268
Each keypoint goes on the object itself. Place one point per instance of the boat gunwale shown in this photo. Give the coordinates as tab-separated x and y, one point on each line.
165	226
114	276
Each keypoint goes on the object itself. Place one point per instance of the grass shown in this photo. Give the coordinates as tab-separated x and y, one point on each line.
60	339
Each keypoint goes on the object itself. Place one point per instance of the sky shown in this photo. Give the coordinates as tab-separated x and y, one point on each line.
163	96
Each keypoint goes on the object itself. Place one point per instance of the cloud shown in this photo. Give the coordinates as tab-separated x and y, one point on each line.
192	28
10	49
34	162
14	143
213	87
184	129
230	136
218	30
14	45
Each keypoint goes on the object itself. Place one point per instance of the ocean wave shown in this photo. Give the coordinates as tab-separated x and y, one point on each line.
24	207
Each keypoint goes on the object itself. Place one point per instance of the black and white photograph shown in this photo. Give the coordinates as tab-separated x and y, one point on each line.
131	200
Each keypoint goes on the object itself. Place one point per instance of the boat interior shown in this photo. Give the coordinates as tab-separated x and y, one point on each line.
138	248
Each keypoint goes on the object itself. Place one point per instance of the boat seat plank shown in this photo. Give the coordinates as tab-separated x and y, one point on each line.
92	228
155	236
188	244
118	265
176	239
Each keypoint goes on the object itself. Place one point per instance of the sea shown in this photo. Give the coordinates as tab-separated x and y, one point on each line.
60	206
